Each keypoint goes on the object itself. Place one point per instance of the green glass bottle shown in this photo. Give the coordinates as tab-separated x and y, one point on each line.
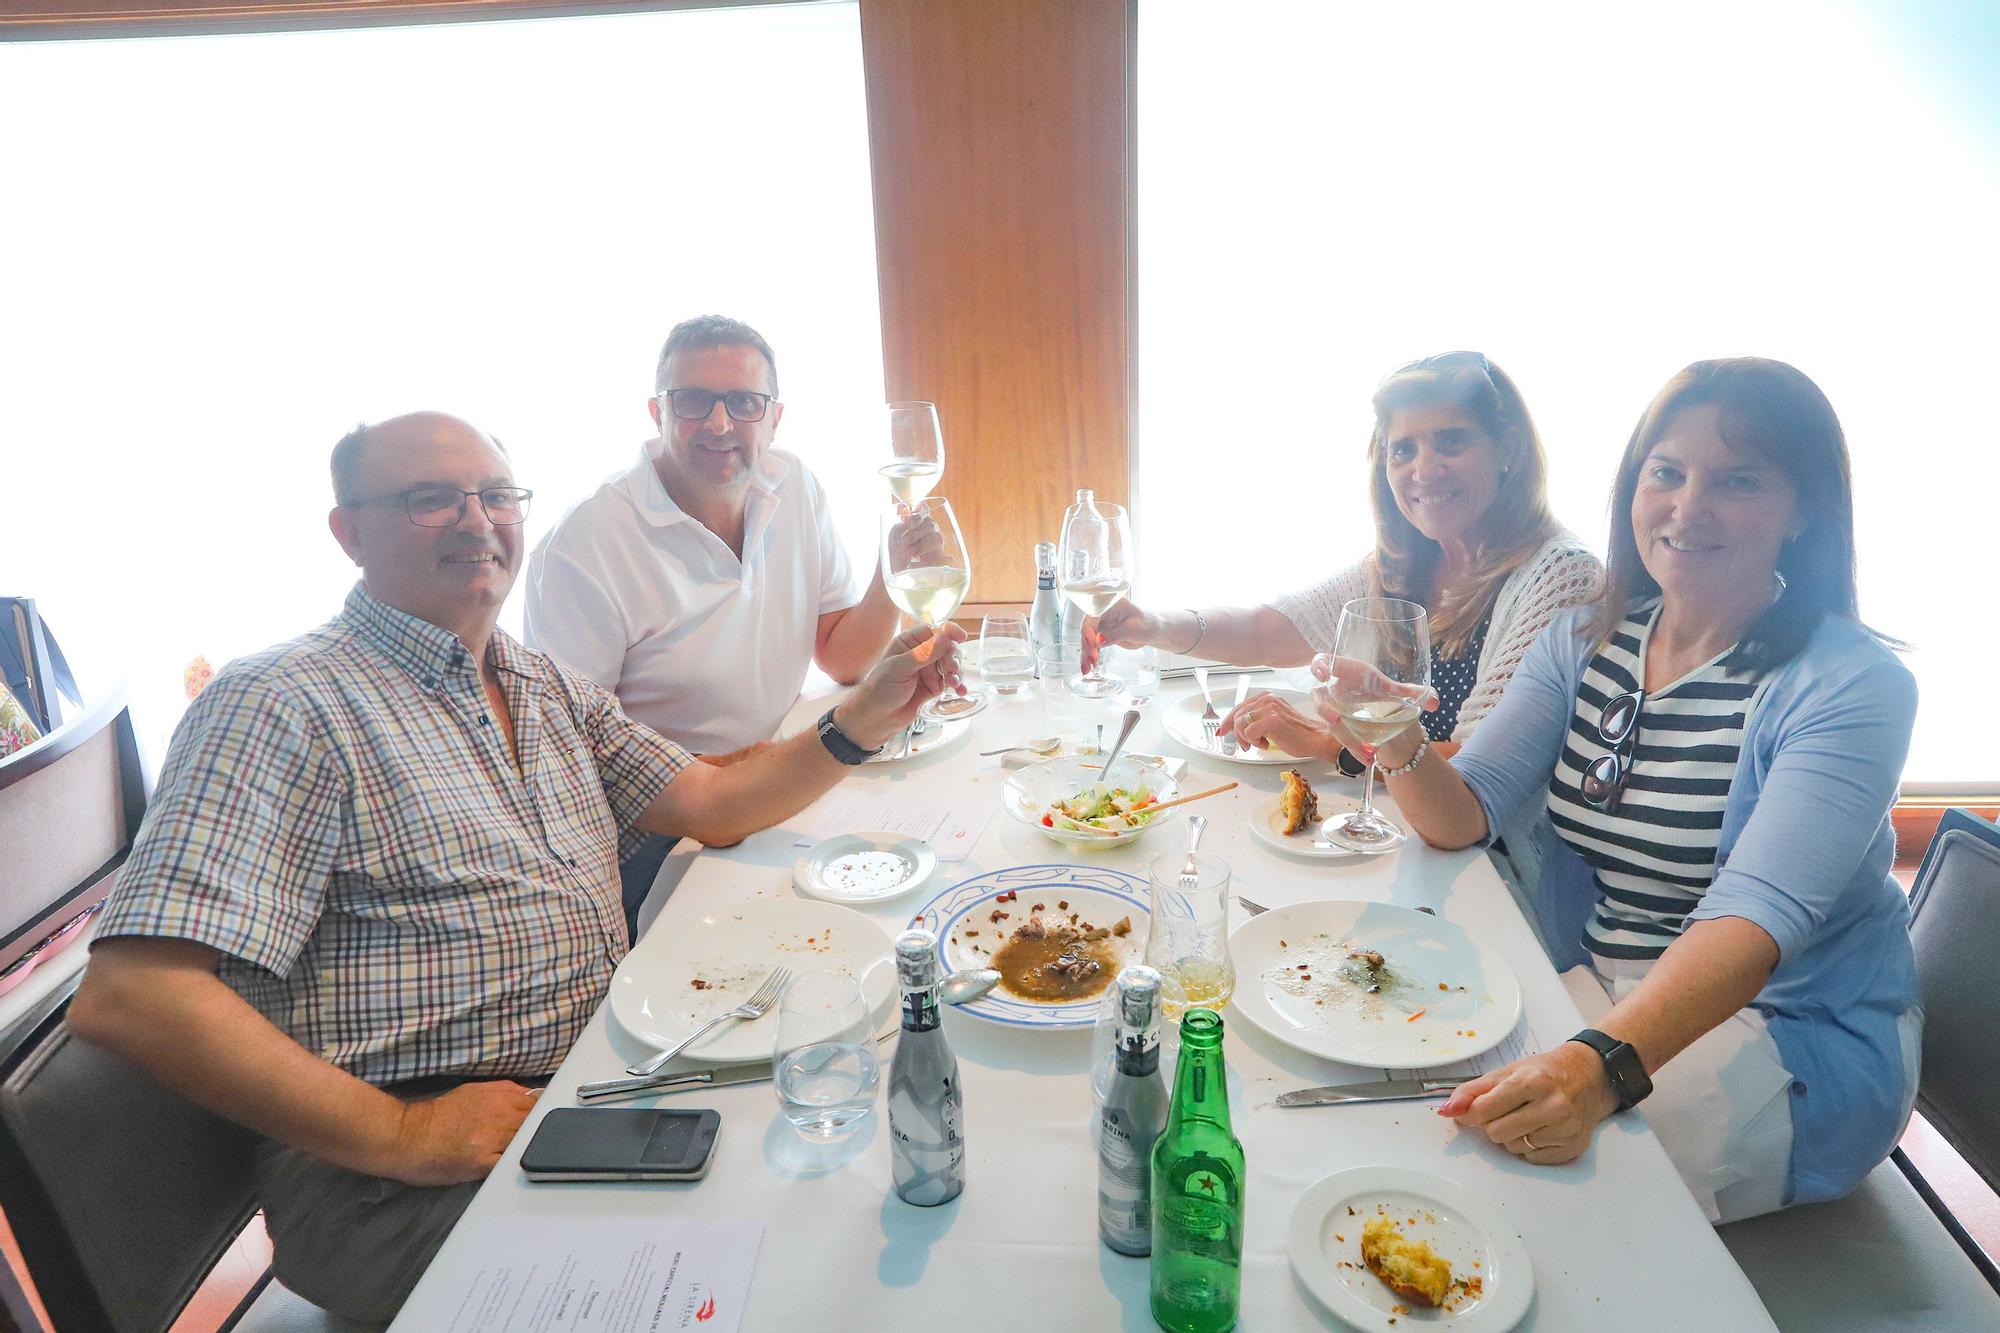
1198	1192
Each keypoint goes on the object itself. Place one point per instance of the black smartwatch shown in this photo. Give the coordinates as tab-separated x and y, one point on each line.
840	745
1622	1066
1350	765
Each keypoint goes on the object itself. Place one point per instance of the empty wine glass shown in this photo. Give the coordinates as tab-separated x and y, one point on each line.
1376	683
916	446
1004	659
1094	570
926	570
823	1061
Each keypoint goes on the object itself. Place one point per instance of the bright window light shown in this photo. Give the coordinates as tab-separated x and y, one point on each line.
224	251
1595	195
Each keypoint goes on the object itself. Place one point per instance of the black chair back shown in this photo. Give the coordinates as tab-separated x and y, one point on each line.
122	1194
1955	928
32	664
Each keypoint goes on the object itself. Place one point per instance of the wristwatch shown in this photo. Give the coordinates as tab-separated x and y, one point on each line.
840	745
1629	1082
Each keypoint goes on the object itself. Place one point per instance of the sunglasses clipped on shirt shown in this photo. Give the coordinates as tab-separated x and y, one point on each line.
695	404
1605	777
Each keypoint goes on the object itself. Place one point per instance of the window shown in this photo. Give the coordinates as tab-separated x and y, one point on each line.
226	250
1595	196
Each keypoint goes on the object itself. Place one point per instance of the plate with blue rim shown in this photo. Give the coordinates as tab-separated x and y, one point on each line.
963	918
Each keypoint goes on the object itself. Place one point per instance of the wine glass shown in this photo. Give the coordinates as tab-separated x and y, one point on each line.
1187	932
1094	570
1386	645
917	443
823	1057
926	571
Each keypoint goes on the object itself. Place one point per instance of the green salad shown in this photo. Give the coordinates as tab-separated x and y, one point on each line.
1114	811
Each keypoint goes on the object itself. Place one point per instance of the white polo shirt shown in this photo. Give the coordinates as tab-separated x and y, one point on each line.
702	647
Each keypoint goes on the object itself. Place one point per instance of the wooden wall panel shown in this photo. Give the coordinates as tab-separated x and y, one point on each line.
999	131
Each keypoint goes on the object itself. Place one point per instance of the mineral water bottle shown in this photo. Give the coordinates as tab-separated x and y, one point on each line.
1197	1192
1131	1114
926	1107
1046	619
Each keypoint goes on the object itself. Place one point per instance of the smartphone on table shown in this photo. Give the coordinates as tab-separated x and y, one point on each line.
620	1143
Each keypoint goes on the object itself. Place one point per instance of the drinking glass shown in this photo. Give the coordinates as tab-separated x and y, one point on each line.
1137	671
1094	569
1188	936
916	447
1004	660
1067	714
824	1058
924	565
1387	642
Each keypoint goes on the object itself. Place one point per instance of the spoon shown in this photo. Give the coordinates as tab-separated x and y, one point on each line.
967	986
1124	734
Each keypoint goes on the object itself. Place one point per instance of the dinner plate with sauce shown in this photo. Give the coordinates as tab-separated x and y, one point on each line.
858	868
963	917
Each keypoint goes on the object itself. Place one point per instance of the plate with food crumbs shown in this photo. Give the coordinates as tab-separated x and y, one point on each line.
1057	934
1387	1249
1373	984
1277	823
863	867
675	980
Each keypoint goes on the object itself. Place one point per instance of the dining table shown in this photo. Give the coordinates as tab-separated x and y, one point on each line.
1615	1240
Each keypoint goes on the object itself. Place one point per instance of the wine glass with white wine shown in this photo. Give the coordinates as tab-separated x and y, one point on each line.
1378	678
1094	570
916	442
926	570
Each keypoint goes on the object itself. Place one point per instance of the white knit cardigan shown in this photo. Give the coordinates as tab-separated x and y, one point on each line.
1561	574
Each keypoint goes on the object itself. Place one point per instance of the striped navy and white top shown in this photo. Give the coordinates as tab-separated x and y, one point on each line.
1654	855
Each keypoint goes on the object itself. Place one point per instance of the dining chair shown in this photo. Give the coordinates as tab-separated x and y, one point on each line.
1891	1255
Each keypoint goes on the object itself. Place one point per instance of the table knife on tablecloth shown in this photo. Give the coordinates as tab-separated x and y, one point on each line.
1385	1090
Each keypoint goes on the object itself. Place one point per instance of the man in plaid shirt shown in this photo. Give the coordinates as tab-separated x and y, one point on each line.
376	896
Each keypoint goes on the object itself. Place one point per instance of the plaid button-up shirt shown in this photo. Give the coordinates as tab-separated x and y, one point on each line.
340	817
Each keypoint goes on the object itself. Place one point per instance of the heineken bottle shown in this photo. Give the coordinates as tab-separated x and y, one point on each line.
1197	1191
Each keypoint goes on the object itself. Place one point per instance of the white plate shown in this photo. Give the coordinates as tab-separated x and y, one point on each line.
1182	721
654	999
1176	765
1325	1245
1293	981
961	917
1267	825
863	867
935	737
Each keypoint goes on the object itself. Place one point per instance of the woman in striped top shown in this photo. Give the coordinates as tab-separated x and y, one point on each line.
1715	751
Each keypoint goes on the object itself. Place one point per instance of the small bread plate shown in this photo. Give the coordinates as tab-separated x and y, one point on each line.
1028	793
975	919
1492	1278
1176	765
935	736
1182	720
674	981
857	868
1304	974
1267	825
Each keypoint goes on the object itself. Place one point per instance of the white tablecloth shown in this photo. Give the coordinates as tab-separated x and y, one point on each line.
1616	1240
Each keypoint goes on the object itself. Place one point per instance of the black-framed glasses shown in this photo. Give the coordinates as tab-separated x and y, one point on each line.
695	404
1618	726
444	506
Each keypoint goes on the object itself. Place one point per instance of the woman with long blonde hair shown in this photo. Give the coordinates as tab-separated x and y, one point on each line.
1462	527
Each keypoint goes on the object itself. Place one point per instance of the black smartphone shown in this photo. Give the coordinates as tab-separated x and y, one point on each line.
619	1143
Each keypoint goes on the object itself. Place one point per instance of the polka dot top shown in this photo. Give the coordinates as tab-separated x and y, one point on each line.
1453	679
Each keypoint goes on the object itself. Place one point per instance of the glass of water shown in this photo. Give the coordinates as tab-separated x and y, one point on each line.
1137	671
1004	660
824	1057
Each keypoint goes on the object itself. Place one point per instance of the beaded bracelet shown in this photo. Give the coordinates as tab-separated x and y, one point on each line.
1415	759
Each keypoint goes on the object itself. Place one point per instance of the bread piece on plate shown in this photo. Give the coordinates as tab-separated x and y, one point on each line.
1410	1268
1300	805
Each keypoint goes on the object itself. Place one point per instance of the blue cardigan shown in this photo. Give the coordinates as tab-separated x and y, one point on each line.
1805	853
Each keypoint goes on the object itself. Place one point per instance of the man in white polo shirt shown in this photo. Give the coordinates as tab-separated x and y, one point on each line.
699	584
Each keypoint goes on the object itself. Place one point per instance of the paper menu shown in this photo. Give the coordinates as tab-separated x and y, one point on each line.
1520	1042
601	1275
951	830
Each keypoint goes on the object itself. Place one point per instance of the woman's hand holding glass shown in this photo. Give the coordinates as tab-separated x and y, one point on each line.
1392	753
1125	625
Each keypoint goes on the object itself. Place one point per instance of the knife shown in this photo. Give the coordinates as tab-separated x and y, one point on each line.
688	1080
1386	1090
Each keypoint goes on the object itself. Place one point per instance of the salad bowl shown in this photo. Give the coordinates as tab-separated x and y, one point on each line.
1072	800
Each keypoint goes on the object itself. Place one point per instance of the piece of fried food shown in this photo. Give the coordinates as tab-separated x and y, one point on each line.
1300	804
1410	1268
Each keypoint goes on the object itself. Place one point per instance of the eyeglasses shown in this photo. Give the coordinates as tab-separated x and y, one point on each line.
444	506
1604	779
695	404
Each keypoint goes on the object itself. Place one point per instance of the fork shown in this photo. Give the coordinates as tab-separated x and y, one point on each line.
753	1008
1242	688
1210	720
1190	880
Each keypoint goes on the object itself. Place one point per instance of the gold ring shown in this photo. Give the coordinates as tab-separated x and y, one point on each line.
1530	1142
